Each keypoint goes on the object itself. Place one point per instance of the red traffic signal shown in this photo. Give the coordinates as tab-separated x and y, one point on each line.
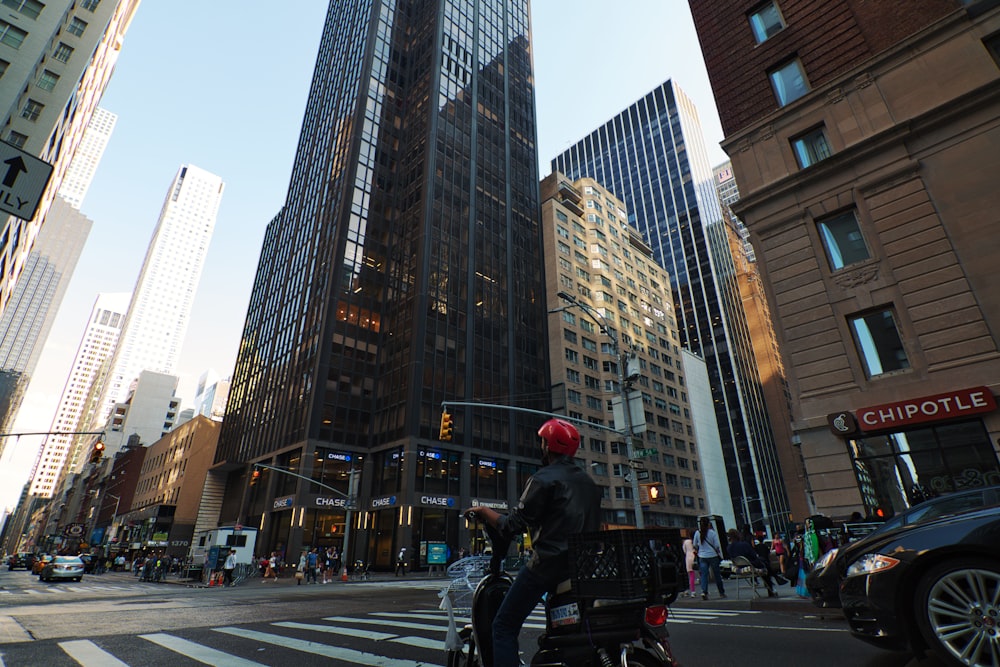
97	452
254	476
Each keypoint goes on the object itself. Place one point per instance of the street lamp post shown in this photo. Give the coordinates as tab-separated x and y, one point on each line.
602	323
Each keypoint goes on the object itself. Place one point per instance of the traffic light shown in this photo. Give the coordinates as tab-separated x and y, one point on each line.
653	493
97	452
656	492
254	476
444	433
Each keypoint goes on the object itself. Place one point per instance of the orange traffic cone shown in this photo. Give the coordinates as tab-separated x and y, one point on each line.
211	580
343	573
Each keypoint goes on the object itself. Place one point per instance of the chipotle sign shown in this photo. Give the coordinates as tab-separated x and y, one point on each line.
950	405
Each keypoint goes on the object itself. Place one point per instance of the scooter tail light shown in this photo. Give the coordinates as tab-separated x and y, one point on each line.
656	615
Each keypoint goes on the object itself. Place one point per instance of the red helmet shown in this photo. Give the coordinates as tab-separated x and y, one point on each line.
561	437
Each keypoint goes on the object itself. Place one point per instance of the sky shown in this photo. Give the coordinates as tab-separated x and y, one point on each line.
197	84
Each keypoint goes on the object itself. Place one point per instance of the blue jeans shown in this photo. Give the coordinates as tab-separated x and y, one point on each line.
526	592
705	564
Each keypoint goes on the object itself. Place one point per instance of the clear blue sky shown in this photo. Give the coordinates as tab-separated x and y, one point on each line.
221	85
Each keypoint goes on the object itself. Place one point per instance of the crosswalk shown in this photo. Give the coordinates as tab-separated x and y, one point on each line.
50	590
413	638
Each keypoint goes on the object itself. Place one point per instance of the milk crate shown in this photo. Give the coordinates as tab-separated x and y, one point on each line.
625	564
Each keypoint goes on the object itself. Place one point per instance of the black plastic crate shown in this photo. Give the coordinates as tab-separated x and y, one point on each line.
622	564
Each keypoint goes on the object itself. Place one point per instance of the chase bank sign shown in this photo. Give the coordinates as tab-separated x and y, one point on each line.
284	503
437	501
383	501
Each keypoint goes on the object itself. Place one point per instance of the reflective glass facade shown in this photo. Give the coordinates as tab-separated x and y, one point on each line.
652	156
405	268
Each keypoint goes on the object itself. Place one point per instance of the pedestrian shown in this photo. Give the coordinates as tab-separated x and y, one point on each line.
781	551
738	547
337	562
312	565
709	552
690	562
401	561
269	571
228	567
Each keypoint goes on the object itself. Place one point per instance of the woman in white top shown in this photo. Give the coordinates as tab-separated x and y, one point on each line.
709	551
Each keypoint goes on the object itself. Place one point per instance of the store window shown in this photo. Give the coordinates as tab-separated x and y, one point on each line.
898	470
388	472
438	471
489	479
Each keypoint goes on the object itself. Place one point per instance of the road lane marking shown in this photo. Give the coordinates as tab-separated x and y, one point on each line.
335	652
87	653
336	630
205	654
402	624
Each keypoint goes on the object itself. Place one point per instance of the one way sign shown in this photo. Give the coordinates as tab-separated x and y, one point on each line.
23	178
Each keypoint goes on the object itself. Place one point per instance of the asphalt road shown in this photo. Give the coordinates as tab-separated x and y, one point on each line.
115	620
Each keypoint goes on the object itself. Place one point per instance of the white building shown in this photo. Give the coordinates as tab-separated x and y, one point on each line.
150	411
88	156
96	347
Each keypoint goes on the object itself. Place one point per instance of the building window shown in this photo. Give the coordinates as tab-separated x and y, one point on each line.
766	22
63	52
76	27
811	147
47	80
843	240
10	35
90	5
878	342
30	8
32	110
789	82
16	139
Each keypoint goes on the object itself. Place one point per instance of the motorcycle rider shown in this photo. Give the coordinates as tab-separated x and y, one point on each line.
559	500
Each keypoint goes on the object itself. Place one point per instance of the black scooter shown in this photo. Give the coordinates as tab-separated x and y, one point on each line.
611	612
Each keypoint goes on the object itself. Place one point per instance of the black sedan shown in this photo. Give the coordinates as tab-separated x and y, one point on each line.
825	578
932	586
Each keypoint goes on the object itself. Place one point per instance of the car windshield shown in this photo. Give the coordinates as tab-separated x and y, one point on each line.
935	508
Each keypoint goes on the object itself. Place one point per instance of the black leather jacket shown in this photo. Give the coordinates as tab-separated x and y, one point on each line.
558	501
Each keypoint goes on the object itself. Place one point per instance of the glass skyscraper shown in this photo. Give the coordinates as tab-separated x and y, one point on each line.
653	157
404	270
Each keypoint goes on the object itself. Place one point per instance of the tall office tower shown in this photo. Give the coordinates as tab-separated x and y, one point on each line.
95	350
653	157
404	270
56	59
26	322
211	395
597	258
25	325
864	143
82	169
158	314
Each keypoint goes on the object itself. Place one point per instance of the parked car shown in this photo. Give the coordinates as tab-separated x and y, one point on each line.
40	562
63	567
24	560
824	581
930	586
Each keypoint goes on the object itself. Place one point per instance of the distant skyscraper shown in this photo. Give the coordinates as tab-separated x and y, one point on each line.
56	58
88	155
95	350
160	309
404	270
653	157
26	322
211	395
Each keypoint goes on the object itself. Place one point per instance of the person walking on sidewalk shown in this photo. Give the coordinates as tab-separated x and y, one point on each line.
228	567
709	551
689	562
312	564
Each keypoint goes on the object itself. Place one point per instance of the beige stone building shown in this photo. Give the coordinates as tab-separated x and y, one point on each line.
595	257
172	489
868	183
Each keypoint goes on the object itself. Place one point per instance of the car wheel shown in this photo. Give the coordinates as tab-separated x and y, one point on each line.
958	611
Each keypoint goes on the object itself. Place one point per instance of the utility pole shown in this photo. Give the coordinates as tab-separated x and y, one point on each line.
622	360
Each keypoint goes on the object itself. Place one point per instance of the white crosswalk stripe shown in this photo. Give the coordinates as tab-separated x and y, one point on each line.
417	629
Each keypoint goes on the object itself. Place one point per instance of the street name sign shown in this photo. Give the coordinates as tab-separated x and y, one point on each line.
23	179
643	453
